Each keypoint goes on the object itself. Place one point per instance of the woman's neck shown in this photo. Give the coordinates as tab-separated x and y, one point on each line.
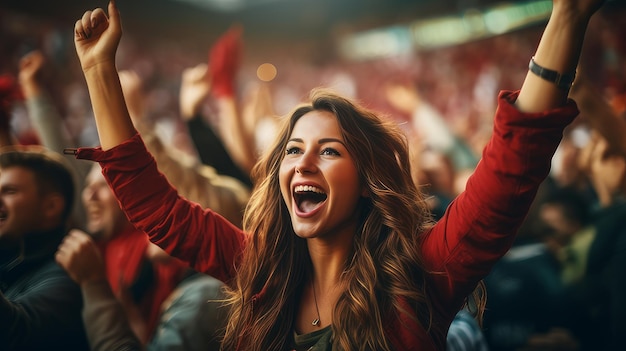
324	287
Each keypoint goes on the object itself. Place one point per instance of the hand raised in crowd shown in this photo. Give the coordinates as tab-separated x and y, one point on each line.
96	36
81	258
402	97
194	89
224	61
606	169
31	67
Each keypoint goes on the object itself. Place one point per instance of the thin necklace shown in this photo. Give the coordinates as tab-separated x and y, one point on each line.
316	321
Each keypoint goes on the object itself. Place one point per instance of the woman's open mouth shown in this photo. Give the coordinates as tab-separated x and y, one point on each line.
308	198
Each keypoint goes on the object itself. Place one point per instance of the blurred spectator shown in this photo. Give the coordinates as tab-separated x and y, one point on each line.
600	291
441	160
190	318
525	297
39	304
194	90
161	303
48	123
140	275
197	182
465	334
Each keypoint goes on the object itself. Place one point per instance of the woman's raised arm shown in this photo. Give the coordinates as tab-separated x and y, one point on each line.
96	37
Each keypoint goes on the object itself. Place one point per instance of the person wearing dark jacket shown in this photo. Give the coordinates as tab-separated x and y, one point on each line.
40	306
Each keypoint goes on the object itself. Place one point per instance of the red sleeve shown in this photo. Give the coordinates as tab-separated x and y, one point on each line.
480	225
202	238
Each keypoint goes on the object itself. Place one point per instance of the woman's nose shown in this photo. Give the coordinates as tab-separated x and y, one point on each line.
306	164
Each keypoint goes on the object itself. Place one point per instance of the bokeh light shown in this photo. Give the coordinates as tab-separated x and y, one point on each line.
266	72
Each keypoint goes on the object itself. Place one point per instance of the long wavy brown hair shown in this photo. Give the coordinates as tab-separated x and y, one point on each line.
384	267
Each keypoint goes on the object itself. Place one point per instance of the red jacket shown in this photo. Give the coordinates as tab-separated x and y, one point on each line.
477	229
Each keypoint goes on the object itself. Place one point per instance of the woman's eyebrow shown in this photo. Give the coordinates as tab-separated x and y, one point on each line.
331	140
321	141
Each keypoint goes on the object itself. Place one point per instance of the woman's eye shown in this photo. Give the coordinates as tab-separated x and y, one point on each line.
292	150
330	152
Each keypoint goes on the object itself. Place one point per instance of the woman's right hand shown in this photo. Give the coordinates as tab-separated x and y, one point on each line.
97	36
